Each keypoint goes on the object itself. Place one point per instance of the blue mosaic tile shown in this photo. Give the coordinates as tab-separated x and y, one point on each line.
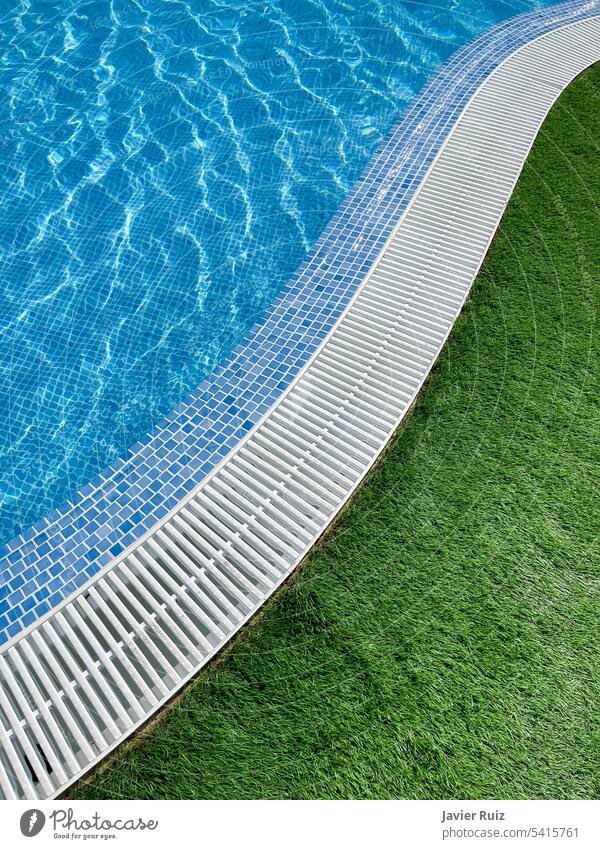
49	561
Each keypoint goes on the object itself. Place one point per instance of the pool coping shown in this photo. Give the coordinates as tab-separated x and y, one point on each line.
49	561
323	465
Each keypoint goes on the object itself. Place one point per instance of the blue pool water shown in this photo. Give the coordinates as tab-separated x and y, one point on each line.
164	168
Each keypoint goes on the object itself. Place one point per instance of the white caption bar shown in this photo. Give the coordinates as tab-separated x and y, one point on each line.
266	824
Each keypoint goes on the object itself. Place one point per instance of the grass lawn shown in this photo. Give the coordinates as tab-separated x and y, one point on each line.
443	640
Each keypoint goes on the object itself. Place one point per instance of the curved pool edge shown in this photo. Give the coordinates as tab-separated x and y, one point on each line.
136	633
50	561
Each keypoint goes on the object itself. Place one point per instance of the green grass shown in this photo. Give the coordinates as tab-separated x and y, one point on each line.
442	641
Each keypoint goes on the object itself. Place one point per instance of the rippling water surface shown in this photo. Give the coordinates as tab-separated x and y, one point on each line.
164	167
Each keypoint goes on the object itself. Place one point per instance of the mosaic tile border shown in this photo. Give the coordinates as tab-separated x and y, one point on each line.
49	561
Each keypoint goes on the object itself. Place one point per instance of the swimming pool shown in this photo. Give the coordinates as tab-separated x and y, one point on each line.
111	602
165	168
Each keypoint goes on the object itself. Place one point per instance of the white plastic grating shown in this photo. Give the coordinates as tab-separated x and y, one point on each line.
97	667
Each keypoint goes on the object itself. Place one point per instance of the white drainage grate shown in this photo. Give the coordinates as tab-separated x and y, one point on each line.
98	666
